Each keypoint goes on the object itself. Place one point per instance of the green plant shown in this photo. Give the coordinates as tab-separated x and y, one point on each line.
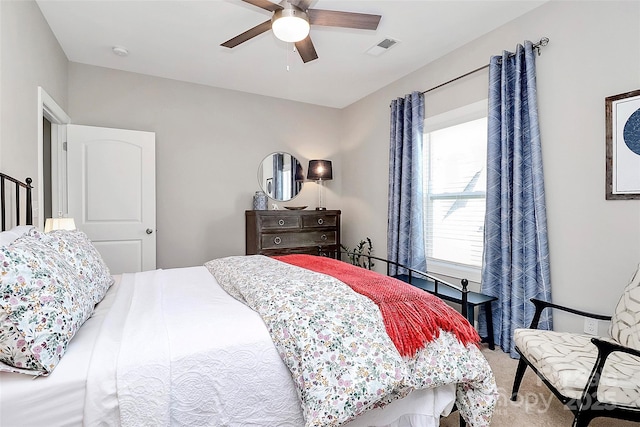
357	255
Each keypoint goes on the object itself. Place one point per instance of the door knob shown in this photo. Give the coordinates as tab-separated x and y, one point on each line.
149	231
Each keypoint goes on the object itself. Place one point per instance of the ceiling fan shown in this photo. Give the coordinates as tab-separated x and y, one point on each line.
291	21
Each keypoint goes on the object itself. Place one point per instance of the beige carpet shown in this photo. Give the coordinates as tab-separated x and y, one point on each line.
536	405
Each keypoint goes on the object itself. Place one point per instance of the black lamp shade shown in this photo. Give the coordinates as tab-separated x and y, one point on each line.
299	172
320	170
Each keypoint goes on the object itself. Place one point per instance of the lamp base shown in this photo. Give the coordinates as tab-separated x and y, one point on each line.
321	209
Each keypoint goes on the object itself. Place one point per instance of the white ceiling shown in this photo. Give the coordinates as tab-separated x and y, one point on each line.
180	39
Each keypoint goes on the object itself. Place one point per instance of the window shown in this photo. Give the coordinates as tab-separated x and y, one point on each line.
455	153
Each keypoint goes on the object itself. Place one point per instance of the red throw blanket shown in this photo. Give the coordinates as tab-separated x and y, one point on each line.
412	317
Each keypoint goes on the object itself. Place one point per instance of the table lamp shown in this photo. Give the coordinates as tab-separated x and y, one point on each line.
59	224
320	171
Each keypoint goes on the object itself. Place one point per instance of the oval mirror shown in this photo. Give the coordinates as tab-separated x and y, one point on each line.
280	176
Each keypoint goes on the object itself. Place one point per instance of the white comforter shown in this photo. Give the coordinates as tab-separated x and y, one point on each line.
176	349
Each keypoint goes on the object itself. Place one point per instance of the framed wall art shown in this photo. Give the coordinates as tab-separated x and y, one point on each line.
622	114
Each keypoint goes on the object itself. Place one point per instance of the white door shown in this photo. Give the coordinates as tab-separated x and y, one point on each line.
112	193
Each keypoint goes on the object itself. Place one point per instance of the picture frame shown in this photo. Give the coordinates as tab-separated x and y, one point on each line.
622	115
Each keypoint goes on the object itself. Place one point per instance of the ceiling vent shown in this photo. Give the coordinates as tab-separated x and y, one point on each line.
382	47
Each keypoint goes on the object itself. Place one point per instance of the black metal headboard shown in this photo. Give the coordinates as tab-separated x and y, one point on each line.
7	182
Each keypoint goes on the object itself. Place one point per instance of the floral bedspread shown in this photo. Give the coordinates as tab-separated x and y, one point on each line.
334	342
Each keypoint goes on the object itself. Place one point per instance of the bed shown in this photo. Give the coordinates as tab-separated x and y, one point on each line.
16	205
208	345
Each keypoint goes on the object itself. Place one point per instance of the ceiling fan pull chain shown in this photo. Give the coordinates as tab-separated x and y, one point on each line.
289	55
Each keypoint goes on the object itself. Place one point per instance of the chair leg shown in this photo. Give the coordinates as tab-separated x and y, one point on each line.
584	416
522	366
580	420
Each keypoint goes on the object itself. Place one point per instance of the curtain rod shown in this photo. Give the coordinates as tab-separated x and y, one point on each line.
543	42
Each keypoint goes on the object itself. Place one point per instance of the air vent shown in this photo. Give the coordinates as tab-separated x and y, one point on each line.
382	47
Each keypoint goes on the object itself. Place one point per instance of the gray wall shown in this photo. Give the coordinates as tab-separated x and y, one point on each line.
594	53
30	56
209	143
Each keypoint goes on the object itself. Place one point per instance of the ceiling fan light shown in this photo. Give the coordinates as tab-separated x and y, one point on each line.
290	25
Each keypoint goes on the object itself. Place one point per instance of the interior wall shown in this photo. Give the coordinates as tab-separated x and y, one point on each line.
209	143
594	52
30	56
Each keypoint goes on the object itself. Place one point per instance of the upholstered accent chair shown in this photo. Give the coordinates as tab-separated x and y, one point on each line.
592	376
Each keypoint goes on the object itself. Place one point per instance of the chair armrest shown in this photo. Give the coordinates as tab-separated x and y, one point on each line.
605	348
541	305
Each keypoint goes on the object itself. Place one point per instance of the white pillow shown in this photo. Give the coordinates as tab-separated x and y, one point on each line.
9	236
625	322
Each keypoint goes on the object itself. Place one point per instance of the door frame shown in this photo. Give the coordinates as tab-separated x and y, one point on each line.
48	108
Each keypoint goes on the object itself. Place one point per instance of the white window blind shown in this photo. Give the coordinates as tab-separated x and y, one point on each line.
455	185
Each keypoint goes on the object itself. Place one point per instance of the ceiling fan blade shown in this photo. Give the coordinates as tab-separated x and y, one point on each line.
306	50
264	4
249	34
302	4
333	18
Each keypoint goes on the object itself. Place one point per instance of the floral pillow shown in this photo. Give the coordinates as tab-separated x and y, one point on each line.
41	306
78	251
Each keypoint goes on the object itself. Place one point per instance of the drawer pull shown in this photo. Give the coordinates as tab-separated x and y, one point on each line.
281	222
277	240
320	221
323	237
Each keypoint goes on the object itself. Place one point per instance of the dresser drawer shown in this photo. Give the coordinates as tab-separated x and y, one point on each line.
280	222
292	231
292	240
320	220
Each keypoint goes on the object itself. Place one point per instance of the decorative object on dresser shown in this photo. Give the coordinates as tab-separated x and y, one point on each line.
260	201
293	231
280	176
320	171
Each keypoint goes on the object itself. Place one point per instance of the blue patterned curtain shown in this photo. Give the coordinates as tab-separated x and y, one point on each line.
516	253
405	232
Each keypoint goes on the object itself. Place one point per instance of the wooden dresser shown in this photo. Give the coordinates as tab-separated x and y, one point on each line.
281	232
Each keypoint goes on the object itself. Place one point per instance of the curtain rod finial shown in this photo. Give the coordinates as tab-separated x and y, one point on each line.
543	42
